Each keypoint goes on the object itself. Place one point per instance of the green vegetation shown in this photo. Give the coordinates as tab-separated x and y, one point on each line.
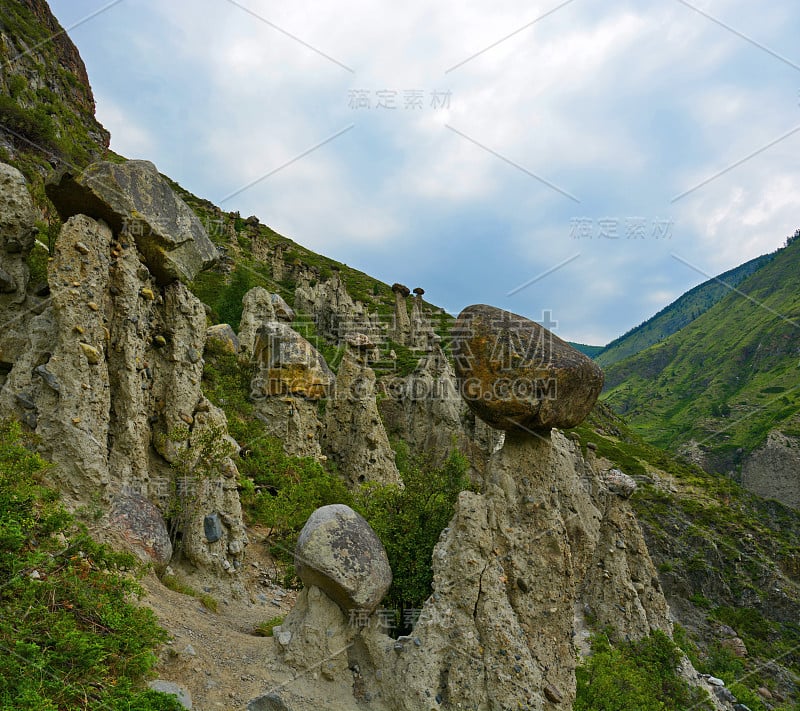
70	637
726	379
410	520
591	351
172	582
265	628
641	675
715	545
678	314
286	491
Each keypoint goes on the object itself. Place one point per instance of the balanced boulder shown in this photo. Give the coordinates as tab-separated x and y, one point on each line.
338	552
515	374
137	202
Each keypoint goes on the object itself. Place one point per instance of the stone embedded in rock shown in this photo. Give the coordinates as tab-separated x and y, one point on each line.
338	552
134	199
212	527
142	525
515	374
289	364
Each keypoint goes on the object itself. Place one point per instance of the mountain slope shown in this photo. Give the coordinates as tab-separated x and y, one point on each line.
679	313
725	380
728	561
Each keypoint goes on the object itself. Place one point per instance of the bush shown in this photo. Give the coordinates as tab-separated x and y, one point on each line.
69	634
410	520
638	675
264	629
289	490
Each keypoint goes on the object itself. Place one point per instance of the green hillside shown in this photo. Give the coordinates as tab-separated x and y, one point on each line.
728	377
724	556
678	314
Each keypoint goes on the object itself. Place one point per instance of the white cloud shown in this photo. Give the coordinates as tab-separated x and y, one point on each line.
623	105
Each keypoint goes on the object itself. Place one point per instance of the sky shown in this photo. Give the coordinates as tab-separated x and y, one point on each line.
589	159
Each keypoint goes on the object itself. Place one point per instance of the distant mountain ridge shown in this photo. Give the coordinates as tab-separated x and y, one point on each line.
678	314
718	386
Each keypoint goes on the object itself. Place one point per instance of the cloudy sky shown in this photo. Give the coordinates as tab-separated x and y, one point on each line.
587	158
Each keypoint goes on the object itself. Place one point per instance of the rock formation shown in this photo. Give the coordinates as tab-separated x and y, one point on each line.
354	436
773	470
134	199
548	544
402	323
290	379
289	365
339	553
515	373
257	311
107	373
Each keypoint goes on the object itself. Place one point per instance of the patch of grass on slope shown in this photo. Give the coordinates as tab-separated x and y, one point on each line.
70	636
718	548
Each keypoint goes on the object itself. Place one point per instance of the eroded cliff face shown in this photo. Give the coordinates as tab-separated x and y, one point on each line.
32	39
546	544
106	369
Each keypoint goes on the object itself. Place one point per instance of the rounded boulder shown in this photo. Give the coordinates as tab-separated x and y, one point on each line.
517	375
338	552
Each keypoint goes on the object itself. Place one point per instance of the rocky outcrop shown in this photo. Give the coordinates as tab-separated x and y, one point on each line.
402	323
425	410
107	373
288	365
283	312
354	436
338	552
223	337
514	373
54	84
257	311
517	573
291	376
136	202
17	216
509	574
421	335
334	312
773	470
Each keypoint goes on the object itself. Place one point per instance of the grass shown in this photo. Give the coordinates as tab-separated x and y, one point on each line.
172	582
70	634
264	629
726	379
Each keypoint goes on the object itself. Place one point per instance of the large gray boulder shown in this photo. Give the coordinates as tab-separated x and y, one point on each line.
515	374
136	201
338	552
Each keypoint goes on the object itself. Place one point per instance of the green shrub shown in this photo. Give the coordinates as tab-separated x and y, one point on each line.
639	675
410	520
70	637
289	489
